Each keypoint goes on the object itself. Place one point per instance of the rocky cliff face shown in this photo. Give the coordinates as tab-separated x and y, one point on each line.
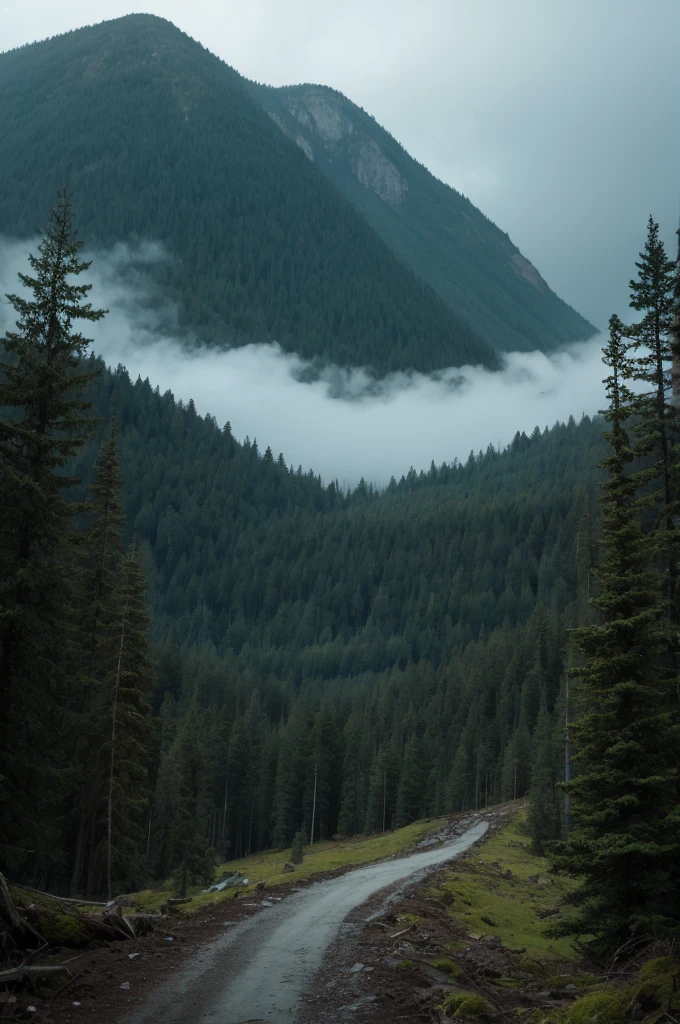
437	232
320	119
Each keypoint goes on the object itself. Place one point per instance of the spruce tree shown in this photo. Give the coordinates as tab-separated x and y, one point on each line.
297	850
103	553
377	818
180	823
623	843
544	815
126	754
99	584
44	422
410	788
656	415
675	332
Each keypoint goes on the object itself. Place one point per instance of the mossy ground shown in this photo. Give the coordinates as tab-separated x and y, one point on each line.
465	1005
481	896
319	859
651	997
449	966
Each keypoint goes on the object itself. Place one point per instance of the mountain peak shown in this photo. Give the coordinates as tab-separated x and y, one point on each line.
158	139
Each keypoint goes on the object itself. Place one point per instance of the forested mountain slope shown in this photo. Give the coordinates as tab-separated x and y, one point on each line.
158	139
400	645
446	240
301	580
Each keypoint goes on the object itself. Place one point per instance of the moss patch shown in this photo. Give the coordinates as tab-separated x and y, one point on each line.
467	1004
62	929
450	967
495	892
610	1007
652	998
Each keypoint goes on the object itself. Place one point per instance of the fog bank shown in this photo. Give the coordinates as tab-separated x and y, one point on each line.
342	424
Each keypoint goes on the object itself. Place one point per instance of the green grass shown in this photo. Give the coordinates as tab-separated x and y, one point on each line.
462	1005
449	966
489	904
322	857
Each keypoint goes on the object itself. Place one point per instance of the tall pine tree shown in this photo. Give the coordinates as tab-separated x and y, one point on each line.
623	843
44	423
656	414
99	584
126	754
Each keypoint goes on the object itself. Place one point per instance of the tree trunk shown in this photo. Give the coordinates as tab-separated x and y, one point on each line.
114	711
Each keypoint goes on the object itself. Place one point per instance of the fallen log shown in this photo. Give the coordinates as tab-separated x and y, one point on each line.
59	899
119	926
18	974
52	921
16	926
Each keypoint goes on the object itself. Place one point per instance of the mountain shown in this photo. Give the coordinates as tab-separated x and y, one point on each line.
435	230
158	139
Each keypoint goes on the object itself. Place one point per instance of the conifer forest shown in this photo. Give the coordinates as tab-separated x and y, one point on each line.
194	632
207	652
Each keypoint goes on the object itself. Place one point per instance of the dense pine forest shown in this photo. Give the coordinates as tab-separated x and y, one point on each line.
194	634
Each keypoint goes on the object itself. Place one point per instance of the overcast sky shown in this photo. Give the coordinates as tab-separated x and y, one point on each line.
558	118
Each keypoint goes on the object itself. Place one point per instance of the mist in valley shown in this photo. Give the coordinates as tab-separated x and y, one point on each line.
342	424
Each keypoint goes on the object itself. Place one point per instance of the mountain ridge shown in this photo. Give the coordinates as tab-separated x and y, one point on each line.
436	230
263	243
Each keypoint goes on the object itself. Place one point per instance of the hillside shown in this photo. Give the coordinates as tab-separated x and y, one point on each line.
437	232
158	139
403	643
300	580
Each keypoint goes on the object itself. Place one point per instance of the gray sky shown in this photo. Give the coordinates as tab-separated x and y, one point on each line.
556	117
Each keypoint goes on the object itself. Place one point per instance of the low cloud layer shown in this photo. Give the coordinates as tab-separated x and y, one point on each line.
341	425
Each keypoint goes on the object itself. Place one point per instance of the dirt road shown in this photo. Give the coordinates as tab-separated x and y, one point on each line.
259	970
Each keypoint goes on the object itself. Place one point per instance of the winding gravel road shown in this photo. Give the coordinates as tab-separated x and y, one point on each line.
258	971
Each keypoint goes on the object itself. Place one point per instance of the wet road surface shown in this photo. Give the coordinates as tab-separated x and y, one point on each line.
259	970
